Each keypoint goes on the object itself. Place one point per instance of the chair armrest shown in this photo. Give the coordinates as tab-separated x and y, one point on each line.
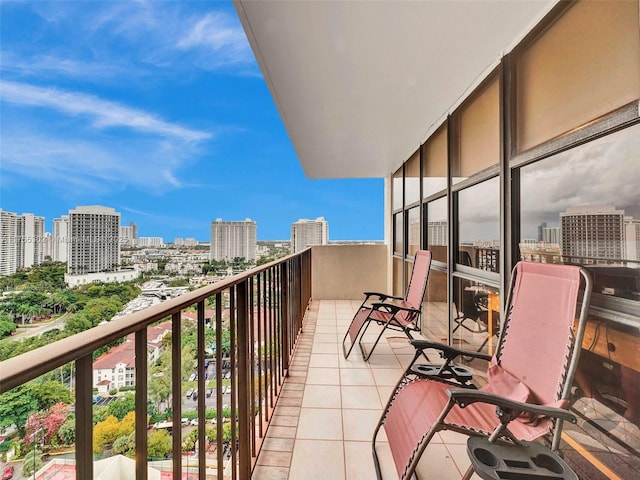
447	351
464	397
381	296
393	308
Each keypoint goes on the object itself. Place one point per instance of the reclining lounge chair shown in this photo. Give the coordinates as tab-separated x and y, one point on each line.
395	313
529	377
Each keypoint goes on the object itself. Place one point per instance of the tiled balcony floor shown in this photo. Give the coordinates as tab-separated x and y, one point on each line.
324	420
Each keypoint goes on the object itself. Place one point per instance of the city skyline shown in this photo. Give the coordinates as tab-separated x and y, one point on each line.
149	109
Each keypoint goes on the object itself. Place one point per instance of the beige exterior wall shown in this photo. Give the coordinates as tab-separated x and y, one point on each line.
341	272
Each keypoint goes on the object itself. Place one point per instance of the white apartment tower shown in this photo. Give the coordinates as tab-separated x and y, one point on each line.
592	233
94	234
30	240
231	240
8	242
309	232
61	238
129	234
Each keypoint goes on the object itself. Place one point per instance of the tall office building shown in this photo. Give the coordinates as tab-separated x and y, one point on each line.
231	240
309	232
632	240
8	242
61	238
592	233
94	234
30	238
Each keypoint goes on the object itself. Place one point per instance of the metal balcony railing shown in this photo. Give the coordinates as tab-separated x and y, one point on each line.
263	309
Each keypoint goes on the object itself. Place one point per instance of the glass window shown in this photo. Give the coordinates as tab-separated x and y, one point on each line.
398	234
434	163
413	229
479	138
412	179
591	52
437	229
476	316
479	226
434	310
396	190
582	206
398	285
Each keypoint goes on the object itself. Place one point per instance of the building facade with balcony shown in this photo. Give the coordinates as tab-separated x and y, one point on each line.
306	232
233	239
93	240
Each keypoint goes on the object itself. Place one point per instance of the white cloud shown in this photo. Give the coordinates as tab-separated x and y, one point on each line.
82	166
104	113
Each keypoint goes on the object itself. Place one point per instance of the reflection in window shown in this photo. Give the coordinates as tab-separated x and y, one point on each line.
476	318
413	229
398	234
398	285
396	190
412	179
434	164
479	226
582	207
434	310
437	231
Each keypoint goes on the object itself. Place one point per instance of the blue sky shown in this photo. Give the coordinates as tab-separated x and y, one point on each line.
159	110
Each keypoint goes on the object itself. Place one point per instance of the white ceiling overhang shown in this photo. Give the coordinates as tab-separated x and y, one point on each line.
361	84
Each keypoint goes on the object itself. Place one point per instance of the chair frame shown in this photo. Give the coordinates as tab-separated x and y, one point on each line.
463	394
386	312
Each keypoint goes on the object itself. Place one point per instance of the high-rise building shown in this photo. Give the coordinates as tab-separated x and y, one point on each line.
551	235
154	242
632	240
306	232
129	234
236	239
22	241
8	242
94	234
30	238
592	233
61	238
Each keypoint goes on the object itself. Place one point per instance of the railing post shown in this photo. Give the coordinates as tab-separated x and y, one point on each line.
244	407
141	404
84	417
176	394
284	307
202	451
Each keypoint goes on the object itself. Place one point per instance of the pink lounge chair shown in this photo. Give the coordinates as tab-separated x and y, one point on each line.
395	313
529	378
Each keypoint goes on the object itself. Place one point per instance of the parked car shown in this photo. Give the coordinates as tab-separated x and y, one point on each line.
190	393
209	392
7	474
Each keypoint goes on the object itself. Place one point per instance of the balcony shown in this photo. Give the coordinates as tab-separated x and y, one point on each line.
301	410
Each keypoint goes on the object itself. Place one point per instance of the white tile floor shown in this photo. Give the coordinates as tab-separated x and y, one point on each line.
322	428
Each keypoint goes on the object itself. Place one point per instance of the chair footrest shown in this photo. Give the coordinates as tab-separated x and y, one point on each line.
461	374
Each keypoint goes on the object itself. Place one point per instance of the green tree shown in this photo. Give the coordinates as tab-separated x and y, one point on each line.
15	407
76	324
7	327
125	445
30	462
123	405
67	431
49	393
158	444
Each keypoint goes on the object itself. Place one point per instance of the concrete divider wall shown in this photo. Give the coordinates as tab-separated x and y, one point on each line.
343	272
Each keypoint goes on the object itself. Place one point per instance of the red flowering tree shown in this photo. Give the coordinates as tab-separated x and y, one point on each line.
41	427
